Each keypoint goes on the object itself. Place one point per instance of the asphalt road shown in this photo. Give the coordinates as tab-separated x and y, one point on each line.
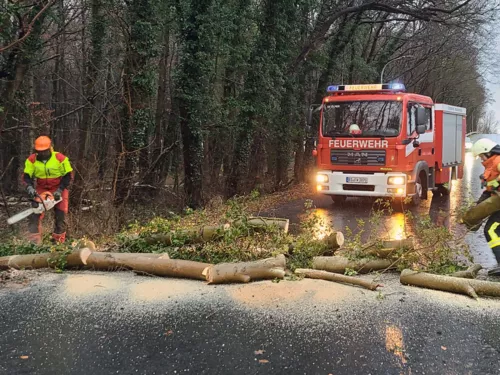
97	323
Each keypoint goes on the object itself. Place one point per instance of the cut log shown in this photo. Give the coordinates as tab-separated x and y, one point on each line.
324	275
335	240
339	264
383	253
264	222
189	236
398	244
269	268
153	264
113	261
469	273
74	259
471	288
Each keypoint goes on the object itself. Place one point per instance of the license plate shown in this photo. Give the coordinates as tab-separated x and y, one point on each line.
357	180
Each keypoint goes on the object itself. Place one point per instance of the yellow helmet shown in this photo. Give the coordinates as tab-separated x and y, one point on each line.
483	146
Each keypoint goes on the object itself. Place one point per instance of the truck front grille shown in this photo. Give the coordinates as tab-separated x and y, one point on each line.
354	187
353	157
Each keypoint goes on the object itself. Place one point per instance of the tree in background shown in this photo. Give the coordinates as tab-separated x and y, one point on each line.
186	100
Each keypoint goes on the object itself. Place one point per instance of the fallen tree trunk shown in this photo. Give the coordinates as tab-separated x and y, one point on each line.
471	288
74	259
398	244
469	273
113	261
324	275
154	264
188	236
269	268
339	264
383	253
264	222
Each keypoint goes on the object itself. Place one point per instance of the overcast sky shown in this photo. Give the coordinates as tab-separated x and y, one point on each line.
495	89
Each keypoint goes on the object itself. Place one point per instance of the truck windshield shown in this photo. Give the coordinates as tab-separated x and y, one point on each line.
362	119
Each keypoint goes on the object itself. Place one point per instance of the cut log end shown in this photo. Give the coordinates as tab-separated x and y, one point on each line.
84	255
335	240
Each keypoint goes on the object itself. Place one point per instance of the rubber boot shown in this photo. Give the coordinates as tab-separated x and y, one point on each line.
59	237
495	271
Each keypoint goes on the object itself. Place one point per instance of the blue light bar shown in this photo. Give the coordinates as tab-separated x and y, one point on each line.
397	86
371	87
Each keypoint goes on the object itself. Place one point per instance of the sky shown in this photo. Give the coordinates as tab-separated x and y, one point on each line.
495	89
495	105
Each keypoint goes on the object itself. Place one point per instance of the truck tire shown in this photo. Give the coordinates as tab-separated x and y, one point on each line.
339	199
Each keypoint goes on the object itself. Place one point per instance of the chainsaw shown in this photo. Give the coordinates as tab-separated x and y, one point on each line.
42	203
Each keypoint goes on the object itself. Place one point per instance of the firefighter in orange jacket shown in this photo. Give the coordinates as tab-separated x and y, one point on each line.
489	152
48	170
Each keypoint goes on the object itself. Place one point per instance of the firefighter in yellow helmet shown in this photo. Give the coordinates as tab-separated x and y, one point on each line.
48	171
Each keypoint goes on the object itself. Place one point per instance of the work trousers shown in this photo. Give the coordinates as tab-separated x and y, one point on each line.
60	211
492	234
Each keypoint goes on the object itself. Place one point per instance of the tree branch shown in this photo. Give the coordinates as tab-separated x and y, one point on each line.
30	27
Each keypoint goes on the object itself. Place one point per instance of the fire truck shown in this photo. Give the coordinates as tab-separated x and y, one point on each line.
380	141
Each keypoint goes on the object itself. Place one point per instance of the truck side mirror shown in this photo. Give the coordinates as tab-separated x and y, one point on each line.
313	108
421	118
421	129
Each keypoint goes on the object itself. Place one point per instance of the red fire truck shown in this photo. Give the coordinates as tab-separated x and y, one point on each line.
380	141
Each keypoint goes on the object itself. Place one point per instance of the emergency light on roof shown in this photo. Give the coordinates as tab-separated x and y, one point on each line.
375	87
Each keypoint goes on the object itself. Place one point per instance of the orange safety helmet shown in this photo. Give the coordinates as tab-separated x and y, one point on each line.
42	143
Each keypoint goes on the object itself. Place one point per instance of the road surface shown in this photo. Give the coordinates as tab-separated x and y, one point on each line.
98	323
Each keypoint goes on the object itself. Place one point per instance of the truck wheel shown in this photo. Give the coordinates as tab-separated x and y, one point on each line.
339	199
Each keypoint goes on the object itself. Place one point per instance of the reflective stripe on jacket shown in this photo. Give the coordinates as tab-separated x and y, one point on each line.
48	174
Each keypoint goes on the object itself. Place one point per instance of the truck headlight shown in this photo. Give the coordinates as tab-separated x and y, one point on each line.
321	178
396	180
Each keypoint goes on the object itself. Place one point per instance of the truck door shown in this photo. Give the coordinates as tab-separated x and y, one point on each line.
426	149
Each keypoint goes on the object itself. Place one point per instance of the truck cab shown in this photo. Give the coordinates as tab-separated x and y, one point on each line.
380	141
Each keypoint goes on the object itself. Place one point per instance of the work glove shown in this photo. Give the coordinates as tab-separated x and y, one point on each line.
57	194
483	181
492	185
31	192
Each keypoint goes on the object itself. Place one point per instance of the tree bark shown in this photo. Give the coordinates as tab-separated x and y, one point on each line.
471	288
265	222
329	276
339	264
113	261
469	273
270	268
